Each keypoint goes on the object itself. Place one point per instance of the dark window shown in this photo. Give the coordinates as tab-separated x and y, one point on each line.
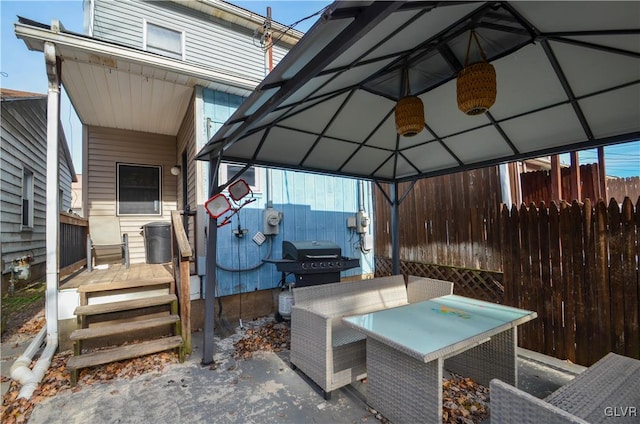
249	175
139	190
27	198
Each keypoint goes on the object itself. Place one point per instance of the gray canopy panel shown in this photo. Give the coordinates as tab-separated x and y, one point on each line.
568	78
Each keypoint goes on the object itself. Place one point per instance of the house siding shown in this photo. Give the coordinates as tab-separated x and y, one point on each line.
209	41
315	207
106	148
24	145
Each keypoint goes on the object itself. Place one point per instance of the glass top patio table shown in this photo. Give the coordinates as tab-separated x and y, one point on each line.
439	327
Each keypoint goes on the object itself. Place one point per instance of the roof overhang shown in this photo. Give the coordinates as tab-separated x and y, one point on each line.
568	79
242	17
116	86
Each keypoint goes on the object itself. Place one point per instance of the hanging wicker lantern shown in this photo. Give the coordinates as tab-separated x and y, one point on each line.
409	111
476	84
409	116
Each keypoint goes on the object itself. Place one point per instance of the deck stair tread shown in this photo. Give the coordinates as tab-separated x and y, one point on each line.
122	328
125	305
126	284
123	352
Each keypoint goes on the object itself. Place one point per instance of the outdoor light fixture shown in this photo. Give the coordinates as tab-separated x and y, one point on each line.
476	84
175	170
239	189
217	206
409	112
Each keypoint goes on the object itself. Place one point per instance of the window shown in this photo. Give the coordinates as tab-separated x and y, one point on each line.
251	175
27	198
138	190
164	41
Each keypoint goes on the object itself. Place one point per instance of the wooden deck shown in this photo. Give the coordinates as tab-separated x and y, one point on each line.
117	273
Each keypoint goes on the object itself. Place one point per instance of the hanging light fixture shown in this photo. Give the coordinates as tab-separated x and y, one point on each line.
409	112
476	84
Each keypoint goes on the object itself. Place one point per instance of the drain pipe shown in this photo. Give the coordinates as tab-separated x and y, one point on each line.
30	378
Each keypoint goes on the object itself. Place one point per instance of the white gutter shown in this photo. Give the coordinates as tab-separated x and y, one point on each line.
30	378
505	184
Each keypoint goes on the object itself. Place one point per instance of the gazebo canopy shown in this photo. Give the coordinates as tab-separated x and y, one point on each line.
568	78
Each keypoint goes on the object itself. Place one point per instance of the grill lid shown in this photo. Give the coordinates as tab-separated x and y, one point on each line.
304	250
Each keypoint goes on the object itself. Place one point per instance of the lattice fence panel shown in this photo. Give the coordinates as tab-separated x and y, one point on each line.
475	283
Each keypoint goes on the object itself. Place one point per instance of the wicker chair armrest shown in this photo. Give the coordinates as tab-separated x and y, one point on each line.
512	405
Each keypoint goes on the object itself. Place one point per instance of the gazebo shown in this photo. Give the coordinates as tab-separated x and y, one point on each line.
396	91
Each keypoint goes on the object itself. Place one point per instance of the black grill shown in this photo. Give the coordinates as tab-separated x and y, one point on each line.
313	262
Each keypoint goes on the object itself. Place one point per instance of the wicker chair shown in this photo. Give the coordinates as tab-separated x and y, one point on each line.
421	288
607	389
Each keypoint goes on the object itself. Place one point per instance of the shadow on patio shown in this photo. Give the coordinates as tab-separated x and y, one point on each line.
263	389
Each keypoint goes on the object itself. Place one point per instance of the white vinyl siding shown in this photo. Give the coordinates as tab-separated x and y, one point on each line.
208	41
106	147
24	147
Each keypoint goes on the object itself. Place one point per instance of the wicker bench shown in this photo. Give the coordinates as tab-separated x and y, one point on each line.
607	390
327	351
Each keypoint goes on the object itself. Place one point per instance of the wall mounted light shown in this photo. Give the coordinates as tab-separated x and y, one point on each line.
175	170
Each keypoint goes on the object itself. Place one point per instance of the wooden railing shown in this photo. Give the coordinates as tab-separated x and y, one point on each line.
72	244
181	255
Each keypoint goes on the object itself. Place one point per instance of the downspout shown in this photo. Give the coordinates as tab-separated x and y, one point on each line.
30	378
505	184
395	229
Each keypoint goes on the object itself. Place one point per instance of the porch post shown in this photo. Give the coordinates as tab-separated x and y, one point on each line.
395	229
52	206
211	277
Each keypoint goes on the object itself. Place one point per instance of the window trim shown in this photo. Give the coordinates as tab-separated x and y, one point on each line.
30	197
222	176
158	168
146	22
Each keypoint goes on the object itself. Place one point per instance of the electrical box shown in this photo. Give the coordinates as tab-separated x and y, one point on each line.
367	242
351	222
362	222
271	221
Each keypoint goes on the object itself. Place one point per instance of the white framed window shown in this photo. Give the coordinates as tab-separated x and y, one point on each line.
253	175
162	40
139	189
27	198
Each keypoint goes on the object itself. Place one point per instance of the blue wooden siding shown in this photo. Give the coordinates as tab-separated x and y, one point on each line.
315	207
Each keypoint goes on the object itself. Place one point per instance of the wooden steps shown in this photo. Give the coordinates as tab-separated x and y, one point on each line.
146	318
121	328
106	356
124	305
122	285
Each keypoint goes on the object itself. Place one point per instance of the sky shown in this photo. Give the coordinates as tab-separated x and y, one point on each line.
21	69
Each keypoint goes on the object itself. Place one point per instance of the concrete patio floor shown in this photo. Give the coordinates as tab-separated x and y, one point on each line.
263	389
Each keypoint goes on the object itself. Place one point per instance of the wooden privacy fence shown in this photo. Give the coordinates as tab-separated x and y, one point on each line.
536	185
577	266
449	220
